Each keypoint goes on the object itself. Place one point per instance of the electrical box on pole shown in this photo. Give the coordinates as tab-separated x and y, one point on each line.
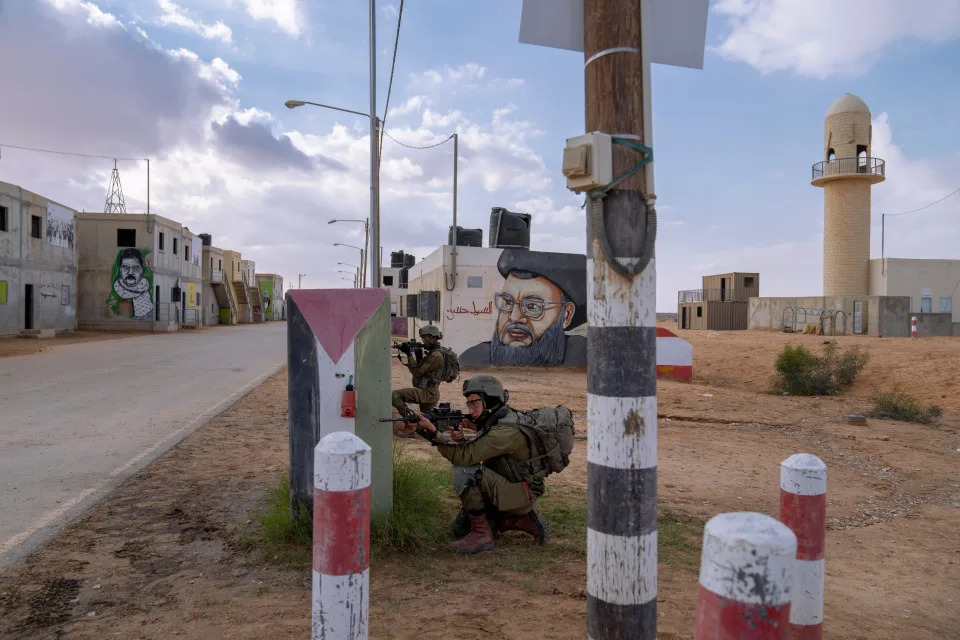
588	162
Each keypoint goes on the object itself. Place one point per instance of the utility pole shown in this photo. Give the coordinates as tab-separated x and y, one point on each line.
621	370
300	280
374	253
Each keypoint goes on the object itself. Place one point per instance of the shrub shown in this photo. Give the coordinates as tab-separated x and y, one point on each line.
898	405
800	372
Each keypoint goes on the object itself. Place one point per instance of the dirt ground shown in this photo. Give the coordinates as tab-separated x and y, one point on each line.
14	346
165	556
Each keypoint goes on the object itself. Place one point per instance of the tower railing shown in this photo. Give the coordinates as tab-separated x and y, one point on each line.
707	295
849	166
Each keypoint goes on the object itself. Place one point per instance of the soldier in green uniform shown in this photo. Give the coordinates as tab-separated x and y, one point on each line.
489	474
426	370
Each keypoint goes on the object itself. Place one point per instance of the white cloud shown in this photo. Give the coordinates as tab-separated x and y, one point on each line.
94	15
543	209
820	38
413	104
285	14
173	14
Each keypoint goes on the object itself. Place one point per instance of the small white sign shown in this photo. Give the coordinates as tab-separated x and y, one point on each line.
677	28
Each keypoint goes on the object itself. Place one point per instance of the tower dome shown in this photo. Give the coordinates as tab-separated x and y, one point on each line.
848	103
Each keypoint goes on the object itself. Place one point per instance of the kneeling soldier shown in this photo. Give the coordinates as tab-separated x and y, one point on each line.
493	473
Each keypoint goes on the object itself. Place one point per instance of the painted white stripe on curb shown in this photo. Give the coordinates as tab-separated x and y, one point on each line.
807	605
632	442
803	474
619	566
342	622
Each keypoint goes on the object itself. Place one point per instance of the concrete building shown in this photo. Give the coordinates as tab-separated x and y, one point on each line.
395	278
502	307
249	270
38	264
862	296
235	276
271	295
720	305
217	287
137	272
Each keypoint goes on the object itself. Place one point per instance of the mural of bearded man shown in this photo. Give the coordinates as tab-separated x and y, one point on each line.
132	293
543	297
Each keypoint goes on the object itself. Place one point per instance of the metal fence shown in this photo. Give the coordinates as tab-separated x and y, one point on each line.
706	295
848	166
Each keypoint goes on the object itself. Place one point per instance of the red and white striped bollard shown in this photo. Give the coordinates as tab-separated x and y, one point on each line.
913	326
803	508
746	578
341	537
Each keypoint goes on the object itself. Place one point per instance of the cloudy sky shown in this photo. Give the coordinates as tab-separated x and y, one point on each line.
198	86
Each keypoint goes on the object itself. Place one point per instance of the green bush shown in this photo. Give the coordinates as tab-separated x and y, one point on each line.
898	405
281	537
802	373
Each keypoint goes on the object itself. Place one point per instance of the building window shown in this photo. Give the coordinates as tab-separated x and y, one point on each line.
36	227
831	155
186	251
3	219
162	237
926	305
126	237
474	282
219	265
946	305
699	312
174	246
748	281
388	281
3	292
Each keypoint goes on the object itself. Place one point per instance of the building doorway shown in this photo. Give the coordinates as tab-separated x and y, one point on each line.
28	306
683	318
156	304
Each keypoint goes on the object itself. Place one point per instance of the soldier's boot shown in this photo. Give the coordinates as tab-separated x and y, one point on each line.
479	539
530	523
460	527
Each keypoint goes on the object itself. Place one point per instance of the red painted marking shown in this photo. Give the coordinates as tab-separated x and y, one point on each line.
721	619
665	333
341	531
806	516
683	373
806	632
336	315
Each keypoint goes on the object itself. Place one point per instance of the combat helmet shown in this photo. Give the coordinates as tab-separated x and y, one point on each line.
431	330
488	388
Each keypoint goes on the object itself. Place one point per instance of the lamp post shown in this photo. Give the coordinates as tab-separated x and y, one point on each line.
362	253
300	280
355	274
374	239
366	243
350	273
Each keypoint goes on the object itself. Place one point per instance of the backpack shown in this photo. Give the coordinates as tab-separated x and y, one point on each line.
451	365
550	433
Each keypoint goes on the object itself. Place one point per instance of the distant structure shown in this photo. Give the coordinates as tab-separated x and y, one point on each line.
721	305
115	203
862	296
846	175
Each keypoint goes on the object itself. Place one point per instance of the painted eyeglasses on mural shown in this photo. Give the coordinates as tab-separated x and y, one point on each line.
532	307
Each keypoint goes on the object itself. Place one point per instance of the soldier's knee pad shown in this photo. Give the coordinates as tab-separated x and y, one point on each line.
465	477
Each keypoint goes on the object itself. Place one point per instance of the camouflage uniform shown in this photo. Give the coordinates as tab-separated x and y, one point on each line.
486	472
426	384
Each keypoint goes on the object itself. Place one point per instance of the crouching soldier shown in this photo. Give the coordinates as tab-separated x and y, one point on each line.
499	475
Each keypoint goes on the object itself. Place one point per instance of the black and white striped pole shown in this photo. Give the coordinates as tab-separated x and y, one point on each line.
622	372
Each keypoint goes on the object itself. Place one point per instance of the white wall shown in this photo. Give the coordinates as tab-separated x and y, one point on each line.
934	279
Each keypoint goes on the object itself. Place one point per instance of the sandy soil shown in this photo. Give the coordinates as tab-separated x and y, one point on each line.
164	556
14	346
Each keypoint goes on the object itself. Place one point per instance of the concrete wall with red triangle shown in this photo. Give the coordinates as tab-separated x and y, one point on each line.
339	338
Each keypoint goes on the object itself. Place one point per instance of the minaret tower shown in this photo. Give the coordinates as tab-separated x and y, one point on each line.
846	175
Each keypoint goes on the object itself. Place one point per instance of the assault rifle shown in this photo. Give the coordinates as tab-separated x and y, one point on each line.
443	418
411	348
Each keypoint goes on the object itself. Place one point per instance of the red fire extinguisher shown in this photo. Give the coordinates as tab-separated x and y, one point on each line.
348	405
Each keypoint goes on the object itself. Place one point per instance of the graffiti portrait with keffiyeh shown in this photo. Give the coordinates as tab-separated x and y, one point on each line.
132	293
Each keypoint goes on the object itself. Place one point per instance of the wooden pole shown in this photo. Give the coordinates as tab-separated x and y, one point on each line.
621	370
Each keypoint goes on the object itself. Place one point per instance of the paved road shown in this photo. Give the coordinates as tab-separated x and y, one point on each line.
77	421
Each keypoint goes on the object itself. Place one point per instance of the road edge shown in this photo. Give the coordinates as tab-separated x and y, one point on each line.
52	524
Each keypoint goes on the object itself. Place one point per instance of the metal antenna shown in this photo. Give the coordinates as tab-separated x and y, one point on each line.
115	203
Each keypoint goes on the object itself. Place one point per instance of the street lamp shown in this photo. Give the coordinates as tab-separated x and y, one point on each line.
360	249
374	237
351	273
366	242
300	280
